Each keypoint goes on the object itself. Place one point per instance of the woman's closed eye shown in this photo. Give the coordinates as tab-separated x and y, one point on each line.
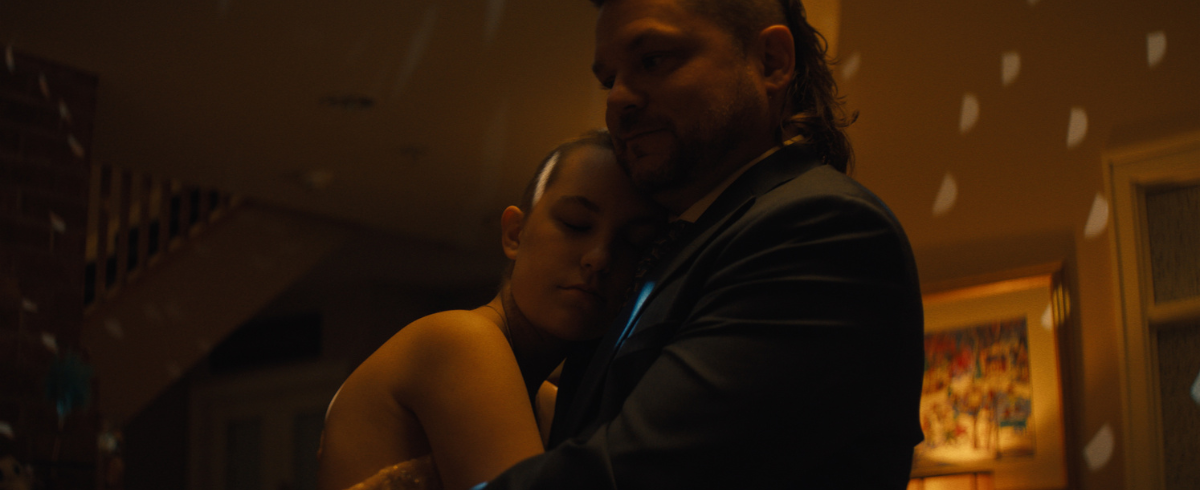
577	227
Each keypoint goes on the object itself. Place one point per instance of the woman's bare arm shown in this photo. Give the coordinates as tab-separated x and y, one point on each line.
462	382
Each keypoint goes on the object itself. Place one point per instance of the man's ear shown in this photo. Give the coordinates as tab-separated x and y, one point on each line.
510	230
778	58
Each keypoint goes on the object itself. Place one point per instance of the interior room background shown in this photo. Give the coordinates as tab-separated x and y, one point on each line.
212	211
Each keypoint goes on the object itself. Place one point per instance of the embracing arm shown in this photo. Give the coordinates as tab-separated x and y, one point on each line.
798	362
463	384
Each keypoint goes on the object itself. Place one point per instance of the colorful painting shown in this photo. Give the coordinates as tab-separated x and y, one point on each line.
977	400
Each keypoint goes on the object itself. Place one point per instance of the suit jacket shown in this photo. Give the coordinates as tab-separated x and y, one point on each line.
780	347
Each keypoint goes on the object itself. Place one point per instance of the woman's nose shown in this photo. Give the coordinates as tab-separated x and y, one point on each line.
598	257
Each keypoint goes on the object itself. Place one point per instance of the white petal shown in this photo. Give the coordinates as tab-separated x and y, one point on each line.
50	342
1196	389
850	66
1010	67
6	430
64	112
1077	127
1098	217
1156	47
1048	318
1099	451
57	224
28	305
76	148
416	48
495	10
113	327
946	196
970	113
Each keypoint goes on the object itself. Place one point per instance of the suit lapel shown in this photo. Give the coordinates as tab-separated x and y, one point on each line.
787	163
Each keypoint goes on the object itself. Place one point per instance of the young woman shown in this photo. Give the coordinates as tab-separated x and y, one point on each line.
448	401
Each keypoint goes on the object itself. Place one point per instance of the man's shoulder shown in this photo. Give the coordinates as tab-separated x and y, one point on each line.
822	188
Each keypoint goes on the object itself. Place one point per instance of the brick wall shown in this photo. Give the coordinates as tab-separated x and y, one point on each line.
45	169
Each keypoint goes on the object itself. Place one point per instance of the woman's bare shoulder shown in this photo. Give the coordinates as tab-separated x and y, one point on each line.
448	332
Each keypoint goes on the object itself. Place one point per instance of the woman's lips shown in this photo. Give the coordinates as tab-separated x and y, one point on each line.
585	292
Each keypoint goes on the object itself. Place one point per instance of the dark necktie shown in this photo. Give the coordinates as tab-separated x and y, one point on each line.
661	247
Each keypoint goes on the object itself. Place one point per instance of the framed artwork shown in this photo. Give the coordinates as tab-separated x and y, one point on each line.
992	397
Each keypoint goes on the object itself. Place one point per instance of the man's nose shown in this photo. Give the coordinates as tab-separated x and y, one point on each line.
623	98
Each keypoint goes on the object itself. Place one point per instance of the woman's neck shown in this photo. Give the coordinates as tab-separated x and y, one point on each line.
536	351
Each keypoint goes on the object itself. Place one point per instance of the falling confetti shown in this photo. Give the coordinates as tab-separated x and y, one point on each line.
1156	47
1098	217
416	48
107	441
495	10
76	148
6	430
1077	127
57	224
28	305
1010	67
946	196
64	112
850	66
44	85
1048	317
1099	451
1196	389
970	113
113	327
50	342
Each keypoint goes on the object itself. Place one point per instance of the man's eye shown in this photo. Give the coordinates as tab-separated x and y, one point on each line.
653	61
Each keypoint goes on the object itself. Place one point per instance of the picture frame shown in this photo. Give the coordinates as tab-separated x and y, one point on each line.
992	397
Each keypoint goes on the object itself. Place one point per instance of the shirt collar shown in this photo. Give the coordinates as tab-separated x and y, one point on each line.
694	212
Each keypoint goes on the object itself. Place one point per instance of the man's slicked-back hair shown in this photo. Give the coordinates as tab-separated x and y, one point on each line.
813	108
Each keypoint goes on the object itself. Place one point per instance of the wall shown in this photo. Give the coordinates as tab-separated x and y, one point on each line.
46	113
1024	188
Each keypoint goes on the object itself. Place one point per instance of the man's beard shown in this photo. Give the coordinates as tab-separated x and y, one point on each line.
695	150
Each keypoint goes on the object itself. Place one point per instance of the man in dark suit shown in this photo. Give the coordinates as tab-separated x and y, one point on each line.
778	343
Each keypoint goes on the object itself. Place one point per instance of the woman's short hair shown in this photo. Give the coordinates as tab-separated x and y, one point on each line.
547	171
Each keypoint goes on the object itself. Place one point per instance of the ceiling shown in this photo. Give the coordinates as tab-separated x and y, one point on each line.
419	117
422	118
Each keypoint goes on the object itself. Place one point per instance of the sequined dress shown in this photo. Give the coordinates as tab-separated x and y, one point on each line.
414	474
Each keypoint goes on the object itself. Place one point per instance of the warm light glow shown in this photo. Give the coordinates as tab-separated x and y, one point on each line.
991	289
962	481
